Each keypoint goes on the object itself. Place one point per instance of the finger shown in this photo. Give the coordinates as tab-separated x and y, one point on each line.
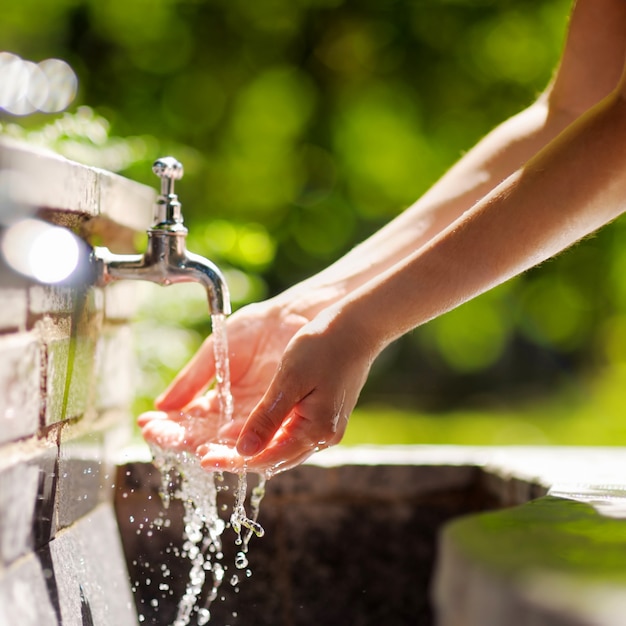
266	418
164	433
148	416
221	458
191	380
280	455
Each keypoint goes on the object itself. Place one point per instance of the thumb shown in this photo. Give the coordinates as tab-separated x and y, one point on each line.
265	419
191	380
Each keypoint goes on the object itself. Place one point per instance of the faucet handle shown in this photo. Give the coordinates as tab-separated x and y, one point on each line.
168	208
168	169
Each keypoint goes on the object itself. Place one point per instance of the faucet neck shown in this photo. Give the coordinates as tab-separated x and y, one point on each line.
167	213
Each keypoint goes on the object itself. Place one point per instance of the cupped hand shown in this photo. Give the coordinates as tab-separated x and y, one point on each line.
307	404
257	335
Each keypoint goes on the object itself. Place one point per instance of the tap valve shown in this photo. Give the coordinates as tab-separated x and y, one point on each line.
168	214
166	259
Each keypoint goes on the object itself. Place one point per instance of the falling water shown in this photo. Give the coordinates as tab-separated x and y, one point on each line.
198	490
222	367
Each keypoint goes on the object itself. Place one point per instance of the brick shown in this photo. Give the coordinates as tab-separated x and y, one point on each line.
56	182
14	308
44	523
20	375
82	466
79	489
18	497
115	368
24	595
81	376
61	184
55	335
69	368
90	572
61	299
28	479
51	299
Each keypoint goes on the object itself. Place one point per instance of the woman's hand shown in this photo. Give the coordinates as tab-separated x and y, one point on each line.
257	336
307	404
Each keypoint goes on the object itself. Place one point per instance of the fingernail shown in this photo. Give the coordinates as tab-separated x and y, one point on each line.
249	444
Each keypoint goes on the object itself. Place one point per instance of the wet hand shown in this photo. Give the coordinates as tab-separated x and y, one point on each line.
257	336
307	404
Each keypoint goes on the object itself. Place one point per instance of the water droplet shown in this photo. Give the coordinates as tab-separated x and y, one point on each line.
241	561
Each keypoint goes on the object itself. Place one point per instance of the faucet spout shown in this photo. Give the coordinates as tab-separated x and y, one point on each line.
166	260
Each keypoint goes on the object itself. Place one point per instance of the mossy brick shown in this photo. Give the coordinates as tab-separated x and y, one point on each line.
20	386
69	375
55	334
25	597
81	384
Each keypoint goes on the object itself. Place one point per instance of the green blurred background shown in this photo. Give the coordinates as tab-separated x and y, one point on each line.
304	125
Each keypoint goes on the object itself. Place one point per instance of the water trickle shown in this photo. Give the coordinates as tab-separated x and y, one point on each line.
222	367
183	478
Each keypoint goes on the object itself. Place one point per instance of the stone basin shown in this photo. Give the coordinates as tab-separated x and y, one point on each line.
411	535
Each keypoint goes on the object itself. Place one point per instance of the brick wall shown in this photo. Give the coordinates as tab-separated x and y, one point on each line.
66	371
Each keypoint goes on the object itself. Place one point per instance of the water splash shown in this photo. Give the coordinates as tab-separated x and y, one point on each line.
183	478
239	518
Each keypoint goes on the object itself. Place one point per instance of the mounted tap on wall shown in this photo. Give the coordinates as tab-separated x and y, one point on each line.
166	259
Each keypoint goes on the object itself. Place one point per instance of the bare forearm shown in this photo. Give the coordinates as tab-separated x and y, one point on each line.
493	159
571	188
589	71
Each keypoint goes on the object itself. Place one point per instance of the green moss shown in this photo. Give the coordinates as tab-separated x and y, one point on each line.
548	535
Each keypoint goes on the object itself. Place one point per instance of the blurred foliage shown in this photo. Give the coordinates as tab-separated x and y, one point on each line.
304	125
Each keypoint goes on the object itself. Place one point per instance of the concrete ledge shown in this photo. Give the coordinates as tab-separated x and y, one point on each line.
55	183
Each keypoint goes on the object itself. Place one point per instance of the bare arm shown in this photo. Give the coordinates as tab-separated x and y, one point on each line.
571	188
589	70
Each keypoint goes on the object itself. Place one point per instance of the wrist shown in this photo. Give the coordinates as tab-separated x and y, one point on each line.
350	329
307	299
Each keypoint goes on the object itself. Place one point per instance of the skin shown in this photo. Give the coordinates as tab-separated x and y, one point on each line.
532	187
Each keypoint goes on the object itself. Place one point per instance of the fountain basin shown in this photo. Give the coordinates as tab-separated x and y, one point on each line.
403	535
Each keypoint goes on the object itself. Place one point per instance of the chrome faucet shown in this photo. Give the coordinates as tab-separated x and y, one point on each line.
166	259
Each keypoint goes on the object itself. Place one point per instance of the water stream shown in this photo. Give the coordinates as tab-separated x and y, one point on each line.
198	490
